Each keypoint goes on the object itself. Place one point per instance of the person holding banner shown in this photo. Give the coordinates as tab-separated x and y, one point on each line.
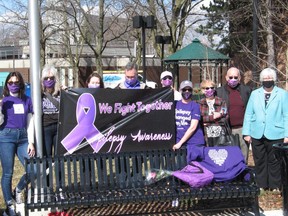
94	80
50	108
187	116
16	137
166	78
131	78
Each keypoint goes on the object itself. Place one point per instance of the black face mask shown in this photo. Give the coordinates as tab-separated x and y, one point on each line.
268	84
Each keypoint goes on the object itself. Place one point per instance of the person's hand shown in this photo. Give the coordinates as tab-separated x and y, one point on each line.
248	139
63	87
286	140
217	115
31	150
176	146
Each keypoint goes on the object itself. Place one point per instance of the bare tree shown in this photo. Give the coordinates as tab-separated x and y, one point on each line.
274	26
100	25
16	16
174	18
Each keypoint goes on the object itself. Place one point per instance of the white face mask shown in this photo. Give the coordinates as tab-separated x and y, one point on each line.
92	85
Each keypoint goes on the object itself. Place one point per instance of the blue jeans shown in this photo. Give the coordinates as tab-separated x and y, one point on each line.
12	141
50	136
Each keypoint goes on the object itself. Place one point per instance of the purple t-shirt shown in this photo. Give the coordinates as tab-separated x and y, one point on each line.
184	113
15	111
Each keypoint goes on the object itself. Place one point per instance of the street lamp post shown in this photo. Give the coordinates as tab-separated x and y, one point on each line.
162	40
13	57
144	22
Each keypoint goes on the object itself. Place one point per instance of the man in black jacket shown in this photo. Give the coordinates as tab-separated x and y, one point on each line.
236	96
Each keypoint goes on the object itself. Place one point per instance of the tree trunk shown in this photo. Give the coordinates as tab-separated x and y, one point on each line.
99	39
270	40
286	77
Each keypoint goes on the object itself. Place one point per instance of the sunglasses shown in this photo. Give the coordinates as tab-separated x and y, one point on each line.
51	78
189	90
233	77
207	88
167	77
16	82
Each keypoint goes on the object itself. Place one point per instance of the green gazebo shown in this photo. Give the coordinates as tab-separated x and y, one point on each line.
197	54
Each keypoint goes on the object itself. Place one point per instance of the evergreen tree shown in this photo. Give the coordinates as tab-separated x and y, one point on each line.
229	25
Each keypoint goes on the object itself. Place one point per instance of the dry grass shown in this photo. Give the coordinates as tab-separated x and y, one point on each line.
18	172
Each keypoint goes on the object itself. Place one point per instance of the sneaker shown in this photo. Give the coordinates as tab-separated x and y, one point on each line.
17	196
10	211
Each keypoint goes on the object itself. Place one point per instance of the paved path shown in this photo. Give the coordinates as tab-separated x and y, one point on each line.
90	211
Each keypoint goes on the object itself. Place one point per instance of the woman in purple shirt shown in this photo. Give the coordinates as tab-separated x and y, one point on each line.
187	116
16	136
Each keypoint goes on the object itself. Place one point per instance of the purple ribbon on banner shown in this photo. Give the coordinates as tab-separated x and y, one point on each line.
85	115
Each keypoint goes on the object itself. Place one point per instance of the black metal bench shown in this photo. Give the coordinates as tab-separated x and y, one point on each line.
89	180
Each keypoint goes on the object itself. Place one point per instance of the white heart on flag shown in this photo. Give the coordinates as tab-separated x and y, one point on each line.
218	156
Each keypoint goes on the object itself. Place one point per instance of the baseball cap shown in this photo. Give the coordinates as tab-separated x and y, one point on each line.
185	83
166	73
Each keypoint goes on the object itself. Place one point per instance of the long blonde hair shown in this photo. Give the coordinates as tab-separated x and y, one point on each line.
54	72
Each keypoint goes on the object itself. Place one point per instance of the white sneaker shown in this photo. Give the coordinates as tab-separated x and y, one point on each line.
17	197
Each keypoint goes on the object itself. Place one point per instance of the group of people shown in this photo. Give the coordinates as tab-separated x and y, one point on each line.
17	125
259	117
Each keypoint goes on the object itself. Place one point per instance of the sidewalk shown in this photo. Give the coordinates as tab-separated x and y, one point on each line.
20	209
273	213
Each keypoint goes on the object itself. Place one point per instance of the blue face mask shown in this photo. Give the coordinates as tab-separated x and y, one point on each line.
131	82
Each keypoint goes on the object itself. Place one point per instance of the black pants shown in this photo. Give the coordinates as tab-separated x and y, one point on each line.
267	167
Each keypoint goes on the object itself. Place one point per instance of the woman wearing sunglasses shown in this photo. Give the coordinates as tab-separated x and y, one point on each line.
50	108
166	78
187	117
213	110
16	136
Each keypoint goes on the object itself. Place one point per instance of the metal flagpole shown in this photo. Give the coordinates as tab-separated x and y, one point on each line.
34	44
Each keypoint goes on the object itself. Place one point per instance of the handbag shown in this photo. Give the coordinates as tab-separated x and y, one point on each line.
194	174
225	162
227	139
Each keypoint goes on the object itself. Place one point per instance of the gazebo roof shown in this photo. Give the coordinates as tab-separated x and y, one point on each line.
196	51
